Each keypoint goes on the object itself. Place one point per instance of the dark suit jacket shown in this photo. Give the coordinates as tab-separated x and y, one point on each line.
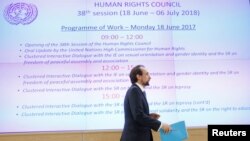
138	123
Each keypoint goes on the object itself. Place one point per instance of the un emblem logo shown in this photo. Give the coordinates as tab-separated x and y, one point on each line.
20	13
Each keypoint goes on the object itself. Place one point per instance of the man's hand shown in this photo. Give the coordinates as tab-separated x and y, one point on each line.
166	128
154	116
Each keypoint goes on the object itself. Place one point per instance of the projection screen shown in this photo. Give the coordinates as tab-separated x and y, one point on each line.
64	64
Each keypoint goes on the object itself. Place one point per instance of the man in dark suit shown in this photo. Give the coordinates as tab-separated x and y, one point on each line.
138	120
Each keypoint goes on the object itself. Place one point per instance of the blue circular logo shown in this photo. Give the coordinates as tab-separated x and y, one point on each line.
20	13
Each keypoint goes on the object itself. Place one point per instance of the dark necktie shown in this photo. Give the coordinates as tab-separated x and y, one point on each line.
144	93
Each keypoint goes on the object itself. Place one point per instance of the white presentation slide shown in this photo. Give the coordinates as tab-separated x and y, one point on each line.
64	64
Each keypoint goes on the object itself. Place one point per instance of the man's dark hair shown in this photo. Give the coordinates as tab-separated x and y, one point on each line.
134	72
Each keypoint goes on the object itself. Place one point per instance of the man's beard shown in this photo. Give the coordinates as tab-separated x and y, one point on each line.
146	83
